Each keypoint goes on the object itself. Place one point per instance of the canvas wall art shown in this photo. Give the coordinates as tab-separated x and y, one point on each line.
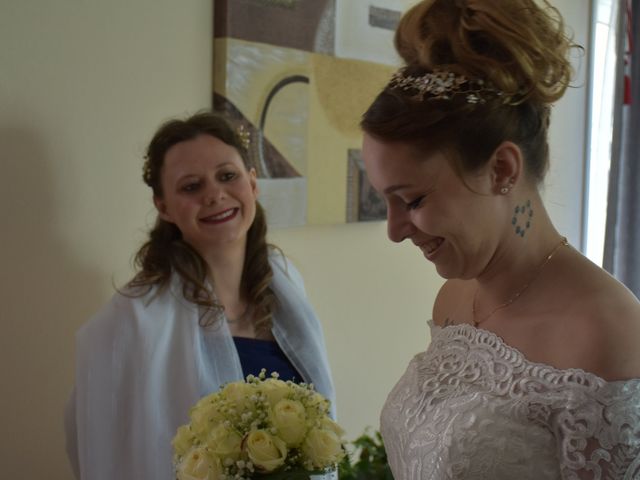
297	75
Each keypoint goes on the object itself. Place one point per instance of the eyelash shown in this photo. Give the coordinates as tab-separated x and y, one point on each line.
227	176
191	187
224	177
415	203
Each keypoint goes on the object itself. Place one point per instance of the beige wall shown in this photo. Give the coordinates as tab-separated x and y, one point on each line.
82	86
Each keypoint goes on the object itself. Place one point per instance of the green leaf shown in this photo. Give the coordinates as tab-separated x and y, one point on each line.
368	461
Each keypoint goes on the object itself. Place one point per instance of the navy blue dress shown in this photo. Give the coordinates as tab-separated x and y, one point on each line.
256	354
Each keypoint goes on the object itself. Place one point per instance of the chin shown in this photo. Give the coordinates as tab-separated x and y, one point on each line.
449	272
445	272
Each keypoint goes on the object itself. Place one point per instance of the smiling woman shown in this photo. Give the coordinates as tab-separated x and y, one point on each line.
208	194
211	303
531	342
65	153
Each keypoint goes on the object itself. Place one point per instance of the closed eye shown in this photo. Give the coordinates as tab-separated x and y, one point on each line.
415	203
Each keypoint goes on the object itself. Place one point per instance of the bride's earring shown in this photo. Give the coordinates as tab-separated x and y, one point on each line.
506	188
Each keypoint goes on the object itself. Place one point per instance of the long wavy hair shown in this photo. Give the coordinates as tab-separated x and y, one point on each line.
518	47
166	252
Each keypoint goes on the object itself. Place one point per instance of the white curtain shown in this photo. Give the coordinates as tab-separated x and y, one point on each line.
622	238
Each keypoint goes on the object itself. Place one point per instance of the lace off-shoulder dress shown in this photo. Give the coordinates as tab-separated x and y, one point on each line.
472	407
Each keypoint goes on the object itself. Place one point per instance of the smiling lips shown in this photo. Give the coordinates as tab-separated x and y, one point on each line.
221	217
431	247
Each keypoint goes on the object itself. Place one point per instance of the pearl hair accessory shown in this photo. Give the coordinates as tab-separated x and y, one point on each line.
244	136
444	85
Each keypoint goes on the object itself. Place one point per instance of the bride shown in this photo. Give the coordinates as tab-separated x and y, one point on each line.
533	371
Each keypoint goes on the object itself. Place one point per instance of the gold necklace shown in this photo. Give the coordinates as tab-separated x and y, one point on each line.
519	293
246	313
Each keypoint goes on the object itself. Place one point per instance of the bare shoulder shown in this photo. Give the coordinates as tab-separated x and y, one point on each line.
616	334
449	306
605	323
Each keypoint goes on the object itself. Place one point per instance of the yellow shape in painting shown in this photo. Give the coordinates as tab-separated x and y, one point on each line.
247	73
346	88
313	125
341	92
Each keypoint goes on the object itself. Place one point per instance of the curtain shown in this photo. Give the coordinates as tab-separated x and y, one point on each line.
622	237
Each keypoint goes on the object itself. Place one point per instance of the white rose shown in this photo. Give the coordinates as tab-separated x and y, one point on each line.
199	465
322	447
183	441
224	442
265	451
329	424
239	395
289	419
275	390
203	415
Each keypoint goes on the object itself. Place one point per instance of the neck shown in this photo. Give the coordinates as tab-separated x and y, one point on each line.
225	270
517	259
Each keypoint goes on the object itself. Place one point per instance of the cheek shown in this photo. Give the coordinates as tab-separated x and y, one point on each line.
430	218
249	194
185	208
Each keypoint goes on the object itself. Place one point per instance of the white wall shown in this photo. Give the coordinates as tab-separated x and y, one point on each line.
83	84
374	298
564	185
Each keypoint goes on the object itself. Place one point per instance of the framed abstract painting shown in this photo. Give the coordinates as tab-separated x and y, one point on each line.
297	75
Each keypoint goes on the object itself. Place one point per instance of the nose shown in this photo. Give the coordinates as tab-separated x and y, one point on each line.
213	193
399	226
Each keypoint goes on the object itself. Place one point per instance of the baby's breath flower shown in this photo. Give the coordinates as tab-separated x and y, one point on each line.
248	407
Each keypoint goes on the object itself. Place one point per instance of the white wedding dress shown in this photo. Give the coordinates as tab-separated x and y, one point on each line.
472	407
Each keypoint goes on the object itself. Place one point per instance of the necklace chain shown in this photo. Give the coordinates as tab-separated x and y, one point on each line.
242	317
518	294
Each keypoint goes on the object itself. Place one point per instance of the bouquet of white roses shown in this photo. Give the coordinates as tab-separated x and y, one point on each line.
262	428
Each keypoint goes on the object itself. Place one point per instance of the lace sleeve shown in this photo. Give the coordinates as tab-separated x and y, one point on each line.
598	431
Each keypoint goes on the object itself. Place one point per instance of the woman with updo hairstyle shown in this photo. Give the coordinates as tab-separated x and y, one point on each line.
211	303
533	370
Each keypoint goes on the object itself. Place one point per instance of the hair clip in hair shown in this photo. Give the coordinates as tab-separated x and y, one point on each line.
146	171
244	136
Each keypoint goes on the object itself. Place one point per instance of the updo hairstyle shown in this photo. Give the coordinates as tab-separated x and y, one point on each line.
515	47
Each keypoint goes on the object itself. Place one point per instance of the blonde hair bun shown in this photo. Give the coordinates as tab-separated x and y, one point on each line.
520	46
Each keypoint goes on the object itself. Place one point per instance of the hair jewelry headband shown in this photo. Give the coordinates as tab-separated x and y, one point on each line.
443	85
244	136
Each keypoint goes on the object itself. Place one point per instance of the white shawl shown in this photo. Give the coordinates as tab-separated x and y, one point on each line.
141	364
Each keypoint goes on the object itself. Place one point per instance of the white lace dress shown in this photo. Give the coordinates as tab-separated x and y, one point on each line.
472	407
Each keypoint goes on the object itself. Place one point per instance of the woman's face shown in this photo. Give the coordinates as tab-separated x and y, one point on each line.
456	226
207	193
